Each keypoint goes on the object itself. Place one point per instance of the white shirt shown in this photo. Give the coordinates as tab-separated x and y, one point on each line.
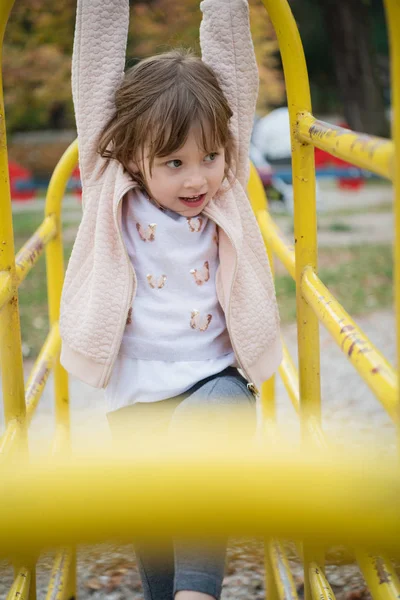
177	334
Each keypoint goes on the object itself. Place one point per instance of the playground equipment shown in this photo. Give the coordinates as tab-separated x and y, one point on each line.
333	499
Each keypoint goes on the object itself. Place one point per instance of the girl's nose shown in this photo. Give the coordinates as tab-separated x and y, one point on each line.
195	180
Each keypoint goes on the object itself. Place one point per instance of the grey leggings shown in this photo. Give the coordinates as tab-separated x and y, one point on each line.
180	564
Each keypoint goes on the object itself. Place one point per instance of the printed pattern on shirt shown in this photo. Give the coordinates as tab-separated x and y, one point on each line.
154	283
148	234
195	224
197	323
201	275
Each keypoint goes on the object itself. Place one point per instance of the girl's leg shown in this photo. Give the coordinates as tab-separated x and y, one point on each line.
199	565
135	424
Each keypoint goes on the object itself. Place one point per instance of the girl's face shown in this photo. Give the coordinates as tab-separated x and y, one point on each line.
185	181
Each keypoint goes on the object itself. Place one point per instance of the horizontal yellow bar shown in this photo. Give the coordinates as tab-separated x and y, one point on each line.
320	588
284	582
41	371
274	239
364	151
30	252
6	289
367	360
160	488
380	576
21	585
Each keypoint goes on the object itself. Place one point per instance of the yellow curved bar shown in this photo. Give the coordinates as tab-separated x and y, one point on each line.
273	236
259	203
393	22
55	270
364	151
305	219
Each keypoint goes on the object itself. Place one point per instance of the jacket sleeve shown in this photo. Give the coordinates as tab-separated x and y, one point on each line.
98	62
227	47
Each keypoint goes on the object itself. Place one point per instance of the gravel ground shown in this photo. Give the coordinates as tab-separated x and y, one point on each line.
350	413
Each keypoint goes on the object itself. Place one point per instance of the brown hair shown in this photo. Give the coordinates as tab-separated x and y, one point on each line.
157	103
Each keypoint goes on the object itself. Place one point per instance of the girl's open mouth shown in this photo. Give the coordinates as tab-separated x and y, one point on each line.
193	201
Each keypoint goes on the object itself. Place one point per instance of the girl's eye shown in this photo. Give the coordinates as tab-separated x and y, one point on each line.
174	164
212	156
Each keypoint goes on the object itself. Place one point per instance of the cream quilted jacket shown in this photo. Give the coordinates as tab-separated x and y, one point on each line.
100	281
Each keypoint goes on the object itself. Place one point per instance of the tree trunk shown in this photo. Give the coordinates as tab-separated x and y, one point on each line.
348	27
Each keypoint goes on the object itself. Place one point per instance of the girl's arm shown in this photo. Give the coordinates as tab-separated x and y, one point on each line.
227	47
98	63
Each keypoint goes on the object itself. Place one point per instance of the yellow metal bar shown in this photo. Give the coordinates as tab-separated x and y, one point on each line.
60	576
259	202
21	586
393	22
284	582
339	495
30	253
364	151
55	270
320	588
10	334
369	362
55	278
273	236
6	288
41	371
11	438
290	378
305	219
271	589
380	576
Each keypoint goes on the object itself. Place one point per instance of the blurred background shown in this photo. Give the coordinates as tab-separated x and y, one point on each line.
345	45
346	50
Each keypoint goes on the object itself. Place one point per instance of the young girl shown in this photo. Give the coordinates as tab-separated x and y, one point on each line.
168	290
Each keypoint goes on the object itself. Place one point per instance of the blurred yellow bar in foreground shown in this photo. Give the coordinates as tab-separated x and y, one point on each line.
197	488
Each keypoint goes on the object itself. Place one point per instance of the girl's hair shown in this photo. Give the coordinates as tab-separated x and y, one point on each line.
157	103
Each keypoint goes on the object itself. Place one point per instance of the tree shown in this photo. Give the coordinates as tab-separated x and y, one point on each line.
343	42
348	26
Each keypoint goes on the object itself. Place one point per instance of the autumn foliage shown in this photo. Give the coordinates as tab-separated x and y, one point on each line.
38	46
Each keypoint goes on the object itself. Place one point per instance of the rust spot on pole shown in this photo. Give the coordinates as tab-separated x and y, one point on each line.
347	328
379	565
376	370
32	251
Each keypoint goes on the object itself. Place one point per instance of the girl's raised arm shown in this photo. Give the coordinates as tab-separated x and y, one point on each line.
227	47
98	63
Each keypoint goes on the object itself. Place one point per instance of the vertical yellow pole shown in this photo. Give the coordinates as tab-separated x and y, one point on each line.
393	23
10	334
11	363
55	278
305	218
